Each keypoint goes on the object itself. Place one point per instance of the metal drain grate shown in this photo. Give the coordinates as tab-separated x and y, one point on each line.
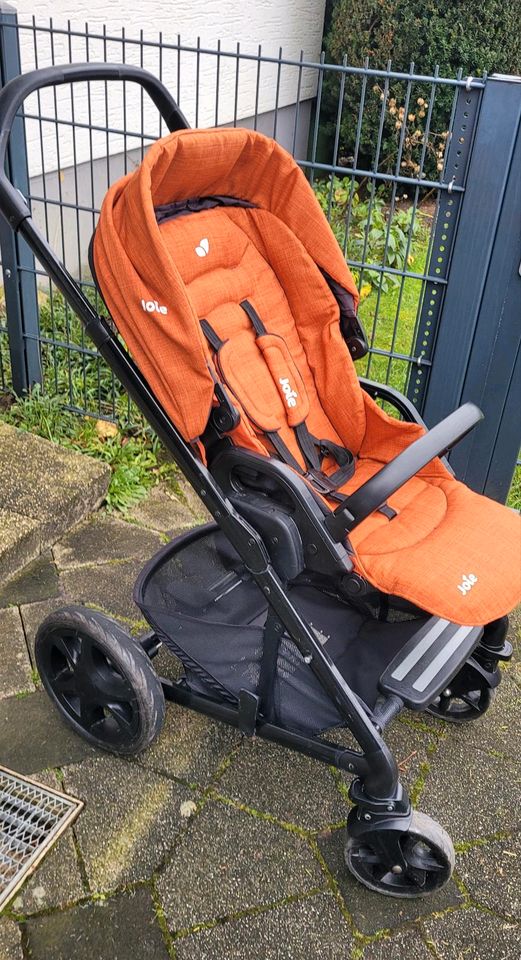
32	817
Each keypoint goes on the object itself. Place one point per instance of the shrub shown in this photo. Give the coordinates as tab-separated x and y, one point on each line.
475	37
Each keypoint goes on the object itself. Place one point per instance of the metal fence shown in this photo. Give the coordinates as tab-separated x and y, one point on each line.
387	152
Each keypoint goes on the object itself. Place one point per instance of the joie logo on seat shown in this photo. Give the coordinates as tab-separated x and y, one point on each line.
469	579
290	395
203	247
152	306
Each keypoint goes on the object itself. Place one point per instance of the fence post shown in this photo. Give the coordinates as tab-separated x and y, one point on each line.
476	353
18	265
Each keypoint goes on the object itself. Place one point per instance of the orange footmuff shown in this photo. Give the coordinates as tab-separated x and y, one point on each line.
219	268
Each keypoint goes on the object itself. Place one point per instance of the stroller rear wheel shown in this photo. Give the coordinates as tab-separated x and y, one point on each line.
100	679
402	863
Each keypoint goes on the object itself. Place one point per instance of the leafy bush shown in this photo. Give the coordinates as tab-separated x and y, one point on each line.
475	37
375	235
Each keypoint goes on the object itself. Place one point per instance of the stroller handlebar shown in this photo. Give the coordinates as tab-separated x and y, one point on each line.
374	492
12	204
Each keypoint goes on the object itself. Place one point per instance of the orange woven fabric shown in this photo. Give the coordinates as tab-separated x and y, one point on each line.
450	551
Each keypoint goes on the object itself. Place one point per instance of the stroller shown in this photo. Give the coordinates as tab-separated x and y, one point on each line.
347	574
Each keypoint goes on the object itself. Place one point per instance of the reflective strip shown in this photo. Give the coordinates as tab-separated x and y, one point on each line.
441	658
415	655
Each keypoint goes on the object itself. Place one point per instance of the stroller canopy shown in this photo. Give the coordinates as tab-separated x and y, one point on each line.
219	267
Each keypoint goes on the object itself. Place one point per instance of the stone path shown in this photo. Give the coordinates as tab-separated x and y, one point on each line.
210	847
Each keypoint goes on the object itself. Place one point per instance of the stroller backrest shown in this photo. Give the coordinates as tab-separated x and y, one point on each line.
218	265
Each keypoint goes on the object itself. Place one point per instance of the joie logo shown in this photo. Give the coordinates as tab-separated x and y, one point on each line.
468	581
291	395
203	247
152	306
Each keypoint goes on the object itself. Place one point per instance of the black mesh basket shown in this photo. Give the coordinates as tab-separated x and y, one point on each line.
198	596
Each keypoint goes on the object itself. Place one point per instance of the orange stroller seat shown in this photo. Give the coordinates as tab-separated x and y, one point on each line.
225	280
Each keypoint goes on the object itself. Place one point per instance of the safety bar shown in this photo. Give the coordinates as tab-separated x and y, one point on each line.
373	494
12	203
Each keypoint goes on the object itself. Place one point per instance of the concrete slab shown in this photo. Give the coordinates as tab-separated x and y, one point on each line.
19	542
190	746
103	538
370	911
492	874
288	785
230	862
121	928
304	930
193	502
107	585
472	793
163	510
473	935
15	666
10	940
57	881
33	736
131	819
37	581
48	483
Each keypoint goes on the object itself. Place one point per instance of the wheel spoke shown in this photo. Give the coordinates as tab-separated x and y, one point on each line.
69	646
89	713
64	682
124	718
113	687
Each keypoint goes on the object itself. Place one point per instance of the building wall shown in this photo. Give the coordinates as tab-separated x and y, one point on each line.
295	26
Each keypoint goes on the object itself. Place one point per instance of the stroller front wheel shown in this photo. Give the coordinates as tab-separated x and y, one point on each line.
402	863
100	679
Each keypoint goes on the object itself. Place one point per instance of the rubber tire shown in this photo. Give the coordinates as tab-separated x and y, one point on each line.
425	827
463	718
127	656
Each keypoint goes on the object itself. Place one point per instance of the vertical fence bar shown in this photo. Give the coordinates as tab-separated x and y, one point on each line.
479	331
18	265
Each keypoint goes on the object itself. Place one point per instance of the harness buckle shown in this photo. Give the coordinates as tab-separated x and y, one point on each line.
320	481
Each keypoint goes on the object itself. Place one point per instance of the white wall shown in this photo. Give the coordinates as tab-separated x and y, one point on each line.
294	25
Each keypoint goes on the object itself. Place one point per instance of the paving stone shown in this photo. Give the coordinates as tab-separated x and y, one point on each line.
232	861
10	940
15	666
286	784
121	928
164	511
103	538
304	930
499	730
48	483
107	585
37	581
370	911
130	820
33	736
20	542
57	880
473	935
404	945
492	874
471	793
190	746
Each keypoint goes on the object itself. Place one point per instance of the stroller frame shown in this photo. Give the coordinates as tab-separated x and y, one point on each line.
381	803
